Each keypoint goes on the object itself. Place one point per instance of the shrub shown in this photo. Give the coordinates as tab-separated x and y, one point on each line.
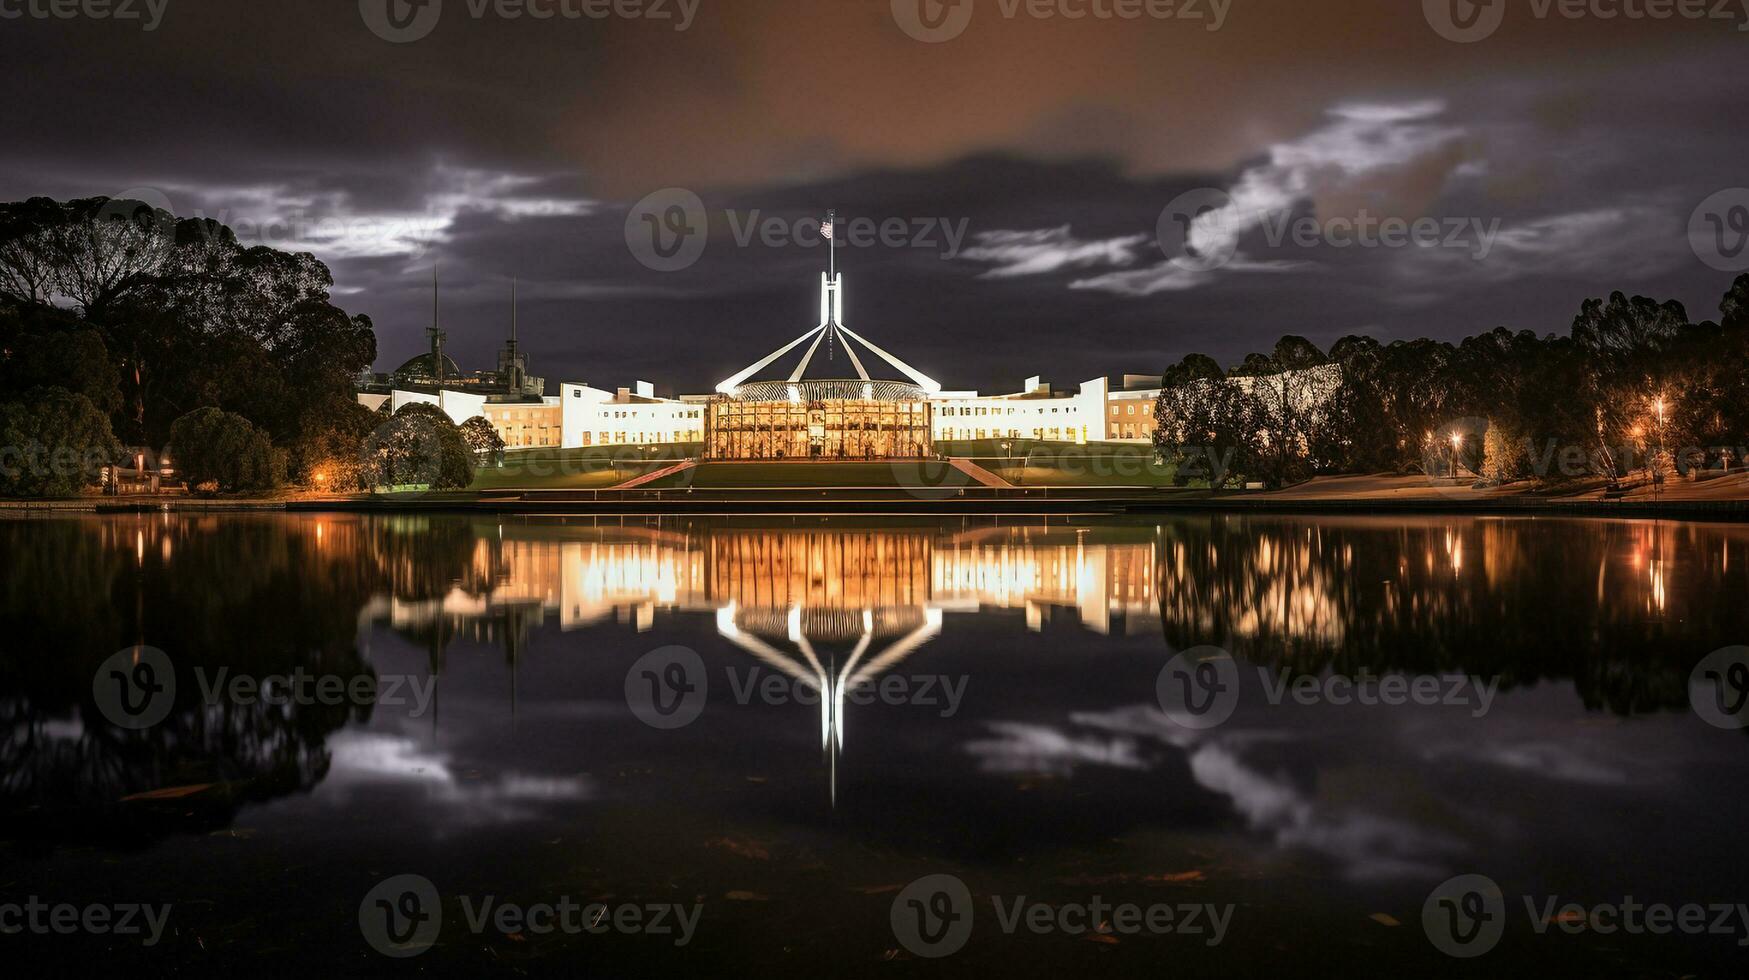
53	443
214	448
418	447
484	441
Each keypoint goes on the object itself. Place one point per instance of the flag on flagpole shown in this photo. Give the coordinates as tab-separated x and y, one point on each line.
826	228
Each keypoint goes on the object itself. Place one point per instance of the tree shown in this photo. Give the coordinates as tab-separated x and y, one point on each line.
53	443
328	453
418	447
44	347
213	447
484	441
1205	425
188	316
1734	308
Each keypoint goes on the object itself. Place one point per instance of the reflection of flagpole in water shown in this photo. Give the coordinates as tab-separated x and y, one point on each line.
831	686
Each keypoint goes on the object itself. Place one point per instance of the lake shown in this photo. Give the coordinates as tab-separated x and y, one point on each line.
1205	745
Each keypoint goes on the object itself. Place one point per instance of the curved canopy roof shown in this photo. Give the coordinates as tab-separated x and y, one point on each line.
837	390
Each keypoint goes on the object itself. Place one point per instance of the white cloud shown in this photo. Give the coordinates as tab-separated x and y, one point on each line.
1630	240
334	224
1031	253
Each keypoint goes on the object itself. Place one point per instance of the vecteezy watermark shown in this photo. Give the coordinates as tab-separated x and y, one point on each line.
1199	230
1718	230
1199	689
669	687
135	688
1469	21
403	916
1467	916
1719	688
938	692
935	21
148	13
404	21
303	688
668	230
36	916
934	916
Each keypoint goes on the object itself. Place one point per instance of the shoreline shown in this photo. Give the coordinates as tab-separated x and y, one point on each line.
890	503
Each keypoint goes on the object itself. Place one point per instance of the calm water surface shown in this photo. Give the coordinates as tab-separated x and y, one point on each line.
1001	722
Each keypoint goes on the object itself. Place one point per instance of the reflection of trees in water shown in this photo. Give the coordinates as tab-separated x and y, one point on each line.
257	596
1599	604
426	559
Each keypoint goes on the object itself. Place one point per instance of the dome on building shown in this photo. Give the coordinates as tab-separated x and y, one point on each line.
423	367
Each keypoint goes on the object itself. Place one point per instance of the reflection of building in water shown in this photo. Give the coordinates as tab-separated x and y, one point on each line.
832	610
586	574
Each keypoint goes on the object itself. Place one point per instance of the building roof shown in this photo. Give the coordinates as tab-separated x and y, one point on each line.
422	367
837	390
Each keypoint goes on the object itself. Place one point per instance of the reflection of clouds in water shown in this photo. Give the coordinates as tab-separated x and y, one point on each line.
364	762
1574	762
1023	748
1365	845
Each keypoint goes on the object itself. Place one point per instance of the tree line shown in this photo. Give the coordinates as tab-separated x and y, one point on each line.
123	325
1633	387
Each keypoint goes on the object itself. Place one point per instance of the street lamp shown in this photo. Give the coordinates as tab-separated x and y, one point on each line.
1658	464
1457	444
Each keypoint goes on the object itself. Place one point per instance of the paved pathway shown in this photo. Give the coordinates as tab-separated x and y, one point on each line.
980	474
651	477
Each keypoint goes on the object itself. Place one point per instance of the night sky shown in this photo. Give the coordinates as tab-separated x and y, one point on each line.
519	146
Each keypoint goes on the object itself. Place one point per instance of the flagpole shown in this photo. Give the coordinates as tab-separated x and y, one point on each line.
832	243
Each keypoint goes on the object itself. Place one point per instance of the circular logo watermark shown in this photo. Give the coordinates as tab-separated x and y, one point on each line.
930	479
1719	688
1465	916
401	917
1199	230
404	454
146	208
401	21
932	916
1718	231
933	21
1464	21
135	688
668	230
667	687
1199	688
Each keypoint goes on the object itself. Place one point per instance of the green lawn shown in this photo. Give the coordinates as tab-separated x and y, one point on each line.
594	468
1019	448
1032	463
1026	463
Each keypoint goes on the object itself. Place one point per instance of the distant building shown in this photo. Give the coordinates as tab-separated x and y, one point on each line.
791	417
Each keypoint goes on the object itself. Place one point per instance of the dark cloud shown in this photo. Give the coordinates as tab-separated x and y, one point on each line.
502	148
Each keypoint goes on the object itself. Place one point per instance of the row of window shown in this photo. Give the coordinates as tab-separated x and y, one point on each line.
638	438
977	411
633	415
